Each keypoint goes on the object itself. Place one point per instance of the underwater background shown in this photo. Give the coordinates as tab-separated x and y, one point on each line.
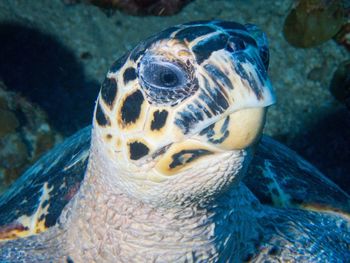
55	53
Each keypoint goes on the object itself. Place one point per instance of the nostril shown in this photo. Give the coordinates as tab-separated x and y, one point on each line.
235	44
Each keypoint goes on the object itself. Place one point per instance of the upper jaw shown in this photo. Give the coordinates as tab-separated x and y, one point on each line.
243	121
237	132
242	99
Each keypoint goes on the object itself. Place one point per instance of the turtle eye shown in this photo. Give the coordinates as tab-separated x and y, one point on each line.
162	75
166	82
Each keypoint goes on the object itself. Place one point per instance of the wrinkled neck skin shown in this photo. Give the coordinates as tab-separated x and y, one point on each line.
111	226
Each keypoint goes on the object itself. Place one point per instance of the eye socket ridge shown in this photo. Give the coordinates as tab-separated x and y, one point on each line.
163	74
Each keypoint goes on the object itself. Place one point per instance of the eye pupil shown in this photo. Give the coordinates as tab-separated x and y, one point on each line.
162	74
169	79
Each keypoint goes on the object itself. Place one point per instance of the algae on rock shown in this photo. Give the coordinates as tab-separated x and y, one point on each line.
312	22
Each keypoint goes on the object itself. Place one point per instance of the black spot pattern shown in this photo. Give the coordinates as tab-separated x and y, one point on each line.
210	133
193	113
255	86
240	37
187	156
116	66
217	74
191	33
260	68
129	74
138	150
45	203
159	119
235	44
109	91
101	118
206	47
213	97
202	108
131	108
42	217
69	260
275	251
185	121
166	33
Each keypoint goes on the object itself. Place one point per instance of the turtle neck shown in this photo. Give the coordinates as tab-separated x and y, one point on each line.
106	225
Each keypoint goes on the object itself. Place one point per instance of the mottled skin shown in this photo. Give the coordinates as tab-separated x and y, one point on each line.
175	127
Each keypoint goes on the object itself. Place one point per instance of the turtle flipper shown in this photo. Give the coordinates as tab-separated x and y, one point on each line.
35	201
303	236
280	177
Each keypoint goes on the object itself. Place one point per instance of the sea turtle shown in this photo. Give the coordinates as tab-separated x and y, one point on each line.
162	175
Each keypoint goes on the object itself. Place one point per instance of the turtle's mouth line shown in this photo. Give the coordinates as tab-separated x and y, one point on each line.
232	130
164	148
228	132
161	151
216	119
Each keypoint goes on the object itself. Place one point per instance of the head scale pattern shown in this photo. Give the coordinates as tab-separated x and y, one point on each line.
178	96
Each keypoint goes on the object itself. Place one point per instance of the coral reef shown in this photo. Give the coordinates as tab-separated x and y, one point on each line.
24	135
139	7
312	22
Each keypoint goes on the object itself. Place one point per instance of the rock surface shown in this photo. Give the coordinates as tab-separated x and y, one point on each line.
24	135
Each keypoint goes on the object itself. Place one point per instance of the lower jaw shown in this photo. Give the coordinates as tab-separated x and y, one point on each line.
242	129
235	132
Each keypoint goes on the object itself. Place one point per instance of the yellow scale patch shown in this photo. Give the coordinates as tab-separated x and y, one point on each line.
244	127
163	166
29	225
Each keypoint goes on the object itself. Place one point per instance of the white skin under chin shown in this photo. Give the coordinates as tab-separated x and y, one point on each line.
206	177
191	216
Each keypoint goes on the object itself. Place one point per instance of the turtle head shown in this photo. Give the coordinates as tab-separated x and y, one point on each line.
192	96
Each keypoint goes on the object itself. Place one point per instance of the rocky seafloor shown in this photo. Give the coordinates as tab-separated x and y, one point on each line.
55	55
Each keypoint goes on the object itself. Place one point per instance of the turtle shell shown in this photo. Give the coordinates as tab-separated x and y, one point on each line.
35	201
277	177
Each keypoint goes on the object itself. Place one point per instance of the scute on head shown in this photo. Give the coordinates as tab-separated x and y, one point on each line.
186	95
